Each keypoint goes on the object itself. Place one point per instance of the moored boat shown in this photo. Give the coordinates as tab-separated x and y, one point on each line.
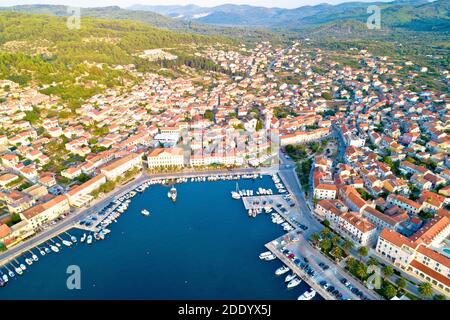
294	282
281	270
307	295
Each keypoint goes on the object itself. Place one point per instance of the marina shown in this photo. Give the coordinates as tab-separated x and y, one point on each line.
154	241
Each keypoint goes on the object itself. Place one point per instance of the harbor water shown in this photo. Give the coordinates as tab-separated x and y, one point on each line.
203	246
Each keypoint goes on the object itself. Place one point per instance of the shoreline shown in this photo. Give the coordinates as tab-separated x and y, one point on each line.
72	219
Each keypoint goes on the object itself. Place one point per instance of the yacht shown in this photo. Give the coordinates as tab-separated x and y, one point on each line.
265	254
83	237
289	277
172	194
145	212
294	282
281	270
89	239
270	257
67	243
307	295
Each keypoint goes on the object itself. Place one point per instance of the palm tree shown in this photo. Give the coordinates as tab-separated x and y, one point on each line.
363	252
425	289
388	271
401	283
325	244
315	237
372	262
360	272
335	240
389	291
347	245
325	232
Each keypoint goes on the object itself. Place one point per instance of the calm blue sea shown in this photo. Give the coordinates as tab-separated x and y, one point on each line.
204	246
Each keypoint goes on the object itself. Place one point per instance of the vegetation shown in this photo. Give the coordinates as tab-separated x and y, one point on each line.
33	50
425	289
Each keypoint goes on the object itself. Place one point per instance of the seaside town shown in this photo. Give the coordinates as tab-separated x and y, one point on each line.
366	144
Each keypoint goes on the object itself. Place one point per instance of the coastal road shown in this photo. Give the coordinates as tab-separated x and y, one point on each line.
305	249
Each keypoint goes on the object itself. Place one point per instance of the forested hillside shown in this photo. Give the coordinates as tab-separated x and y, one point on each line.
43	49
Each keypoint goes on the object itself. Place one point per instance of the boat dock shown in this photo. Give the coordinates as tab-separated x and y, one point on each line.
34	244
299	272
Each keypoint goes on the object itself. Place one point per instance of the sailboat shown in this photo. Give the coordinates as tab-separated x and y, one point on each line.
235	194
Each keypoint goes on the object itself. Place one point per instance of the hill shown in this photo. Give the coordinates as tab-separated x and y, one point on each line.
417	15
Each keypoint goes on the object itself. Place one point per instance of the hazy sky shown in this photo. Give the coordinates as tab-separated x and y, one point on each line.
206	3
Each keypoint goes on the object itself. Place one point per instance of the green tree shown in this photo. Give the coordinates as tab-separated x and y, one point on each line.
325	244
327	95
425	289
401	283
389	291
335	240
363	252
347	245
439	297
325	232
315	237
360	271
388	271
372	261
259	125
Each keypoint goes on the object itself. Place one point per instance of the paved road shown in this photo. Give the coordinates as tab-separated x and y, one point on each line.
304	215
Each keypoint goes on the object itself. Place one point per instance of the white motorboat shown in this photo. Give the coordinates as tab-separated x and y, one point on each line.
294	282
67	243
47	250
83	237
172	194
145	212
289	277
263	255
89	239
307	295
73	239
28	261
54	248
270	257
281	270
5	278
23	267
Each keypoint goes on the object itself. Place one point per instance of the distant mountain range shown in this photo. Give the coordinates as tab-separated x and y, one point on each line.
415	15
408	14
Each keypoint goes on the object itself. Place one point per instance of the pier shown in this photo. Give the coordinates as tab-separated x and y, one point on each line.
299	272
